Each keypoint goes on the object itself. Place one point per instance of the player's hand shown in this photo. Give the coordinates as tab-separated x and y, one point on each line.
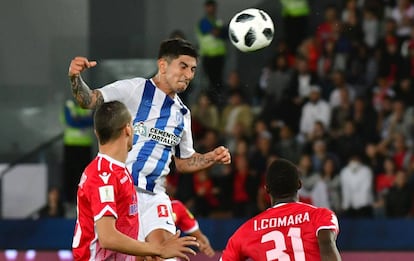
177	246
205	246
78	65
222	155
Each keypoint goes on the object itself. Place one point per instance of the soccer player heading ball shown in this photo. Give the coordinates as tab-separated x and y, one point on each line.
289	230
162	130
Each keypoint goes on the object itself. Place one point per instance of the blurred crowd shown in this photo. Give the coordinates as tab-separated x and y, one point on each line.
340	106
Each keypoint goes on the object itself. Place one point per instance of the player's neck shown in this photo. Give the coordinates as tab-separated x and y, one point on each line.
160	84
284	200
114	150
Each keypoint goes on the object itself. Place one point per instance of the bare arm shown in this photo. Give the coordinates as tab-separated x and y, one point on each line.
202	161
87	98
327	245
205	246
110	238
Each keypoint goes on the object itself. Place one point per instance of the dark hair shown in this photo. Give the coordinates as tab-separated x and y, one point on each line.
109	120
210	2
282	178
172	48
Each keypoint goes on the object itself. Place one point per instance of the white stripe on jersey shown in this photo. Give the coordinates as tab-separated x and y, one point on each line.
155	113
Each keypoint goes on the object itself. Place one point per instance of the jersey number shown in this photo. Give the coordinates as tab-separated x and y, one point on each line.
278	253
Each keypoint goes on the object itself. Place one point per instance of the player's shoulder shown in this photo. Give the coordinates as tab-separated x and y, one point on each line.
136	81
313	209
104	166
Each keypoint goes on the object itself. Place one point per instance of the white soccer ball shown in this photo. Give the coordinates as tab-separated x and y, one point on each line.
251	29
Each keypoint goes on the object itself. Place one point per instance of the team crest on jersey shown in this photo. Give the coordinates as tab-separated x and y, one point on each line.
140	129
179	117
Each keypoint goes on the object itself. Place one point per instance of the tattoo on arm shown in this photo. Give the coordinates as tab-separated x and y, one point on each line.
83	94
200	161
99	98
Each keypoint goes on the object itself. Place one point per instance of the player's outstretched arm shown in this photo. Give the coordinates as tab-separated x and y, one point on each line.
327	245
197	161
87	98
110	238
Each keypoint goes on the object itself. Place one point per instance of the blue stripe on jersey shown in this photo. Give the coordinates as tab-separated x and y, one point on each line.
145	105
177	131
142	114
160	124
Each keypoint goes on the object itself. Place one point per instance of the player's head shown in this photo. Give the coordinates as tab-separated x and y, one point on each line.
177	63
174	47
282	179
111	120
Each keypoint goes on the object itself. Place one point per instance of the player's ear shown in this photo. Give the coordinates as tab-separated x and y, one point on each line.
128	129
162	65
299	184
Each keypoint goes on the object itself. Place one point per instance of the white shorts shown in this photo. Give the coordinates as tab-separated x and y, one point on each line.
154	212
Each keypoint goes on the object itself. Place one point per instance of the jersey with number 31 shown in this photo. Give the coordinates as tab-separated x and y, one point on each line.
285	232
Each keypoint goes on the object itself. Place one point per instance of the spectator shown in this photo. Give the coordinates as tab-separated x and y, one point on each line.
287	146
295	15
319	154
205	115
339	83
244	189
298	92
399	199
326	30
374	158
54	207
205	194
370	27
391	62
308	178
404	89
329	61
348	142
234	84
357	189
212	36
366	119
394	123
237	111
383	182
319	132
341	113
274	82
403	14
77	146
327	190
316	109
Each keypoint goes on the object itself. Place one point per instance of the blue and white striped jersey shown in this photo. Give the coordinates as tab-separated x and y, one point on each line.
162	128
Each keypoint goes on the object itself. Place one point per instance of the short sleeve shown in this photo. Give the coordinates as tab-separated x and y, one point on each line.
326	219
185	149
121	90
102	193
184	219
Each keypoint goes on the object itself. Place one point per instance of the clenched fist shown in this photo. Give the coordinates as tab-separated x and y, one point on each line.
78	65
